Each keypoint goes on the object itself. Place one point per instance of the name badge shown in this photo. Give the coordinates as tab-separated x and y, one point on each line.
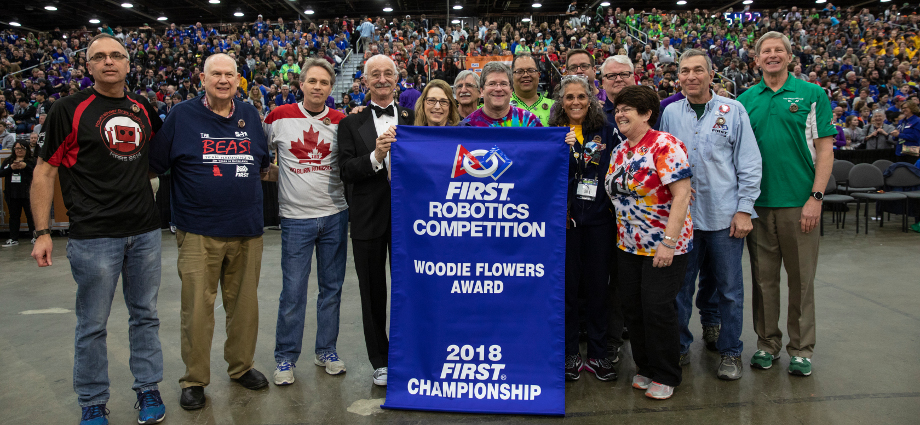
17	178
587	189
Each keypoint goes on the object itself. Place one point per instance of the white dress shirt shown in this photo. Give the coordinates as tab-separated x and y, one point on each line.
382	124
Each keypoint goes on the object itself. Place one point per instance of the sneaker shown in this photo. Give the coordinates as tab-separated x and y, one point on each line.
9	243
730	369
640	382
284	373
602	369
573	365
380	377
800	366
659	391
334	366
152	410
763	360
33	241
94	415
711	337
684	359
172	229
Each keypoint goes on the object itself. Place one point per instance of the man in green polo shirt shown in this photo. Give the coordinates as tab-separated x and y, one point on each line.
792	122
526	80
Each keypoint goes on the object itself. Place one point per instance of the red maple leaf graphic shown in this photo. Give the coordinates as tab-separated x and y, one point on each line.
310	150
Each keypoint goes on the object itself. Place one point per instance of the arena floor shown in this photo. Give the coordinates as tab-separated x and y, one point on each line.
865	366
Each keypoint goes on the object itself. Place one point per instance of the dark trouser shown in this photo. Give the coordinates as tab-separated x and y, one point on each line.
371	268
615	319
587	251
649	297
16	206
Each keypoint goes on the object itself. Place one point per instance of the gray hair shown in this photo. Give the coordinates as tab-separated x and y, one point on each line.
313	62
207	62
494	67
594	117
689	53
620	59
381	57
773	34
882	113
463	75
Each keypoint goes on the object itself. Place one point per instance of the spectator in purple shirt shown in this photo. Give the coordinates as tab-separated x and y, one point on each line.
408	98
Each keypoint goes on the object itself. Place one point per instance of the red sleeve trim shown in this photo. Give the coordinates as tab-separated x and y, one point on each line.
66	154
335	116
291	110
146	114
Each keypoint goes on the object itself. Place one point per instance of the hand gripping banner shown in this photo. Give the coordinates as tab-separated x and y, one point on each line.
478	264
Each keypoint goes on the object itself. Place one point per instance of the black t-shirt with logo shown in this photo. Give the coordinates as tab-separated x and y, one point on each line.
100	145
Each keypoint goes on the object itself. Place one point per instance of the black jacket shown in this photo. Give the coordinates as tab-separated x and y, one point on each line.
16	190
600	210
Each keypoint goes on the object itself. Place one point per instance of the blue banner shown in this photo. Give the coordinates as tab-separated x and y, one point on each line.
477	312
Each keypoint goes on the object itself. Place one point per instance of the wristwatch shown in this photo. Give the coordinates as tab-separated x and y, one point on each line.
817	195
38	233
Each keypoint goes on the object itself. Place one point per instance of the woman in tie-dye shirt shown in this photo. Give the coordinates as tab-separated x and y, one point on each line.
649	184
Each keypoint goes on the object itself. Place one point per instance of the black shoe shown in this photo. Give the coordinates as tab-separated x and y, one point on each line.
252	380
711	337
573	366
192	398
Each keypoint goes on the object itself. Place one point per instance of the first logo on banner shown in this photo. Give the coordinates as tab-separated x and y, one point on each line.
471	162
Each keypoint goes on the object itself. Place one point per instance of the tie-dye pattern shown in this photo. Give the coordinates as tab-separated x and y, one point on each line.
638	188
517	117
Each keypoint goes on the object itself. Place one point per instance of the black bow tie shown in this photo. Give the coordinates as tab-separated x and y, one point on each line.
384	111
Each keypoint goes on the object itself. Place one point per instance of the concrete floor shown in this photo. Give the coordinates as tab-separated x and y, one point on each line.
865	366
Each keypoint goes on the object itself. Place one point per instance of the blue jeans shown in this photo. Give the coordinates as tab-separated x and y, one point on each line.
716	257
96	265
298	237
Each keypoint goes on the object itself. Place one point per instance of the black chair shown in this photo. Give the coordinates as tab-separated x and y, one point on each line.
866	176
841	172
833	198
902	177
882	164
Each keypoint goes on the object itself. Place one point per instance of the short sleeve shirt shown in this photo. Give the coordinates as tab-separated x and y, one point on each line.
540	108
516	117
637	183
786	124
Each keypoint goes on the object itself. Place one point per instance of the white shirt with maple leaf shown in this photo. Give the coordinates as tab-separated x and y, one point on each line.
309	185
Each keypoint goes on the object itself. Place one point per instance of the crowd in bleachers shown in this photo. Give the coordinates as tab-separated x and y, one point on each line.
866	60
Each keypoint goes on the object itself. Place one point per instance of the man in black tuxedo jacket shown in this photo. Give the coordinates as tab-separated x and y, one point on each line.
364	160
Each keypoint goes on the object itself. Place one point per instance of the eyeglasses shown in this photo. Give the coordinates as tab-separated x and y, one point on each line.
622	75
114	56
526	71
583	67
19	147
430	102
623	111
495	84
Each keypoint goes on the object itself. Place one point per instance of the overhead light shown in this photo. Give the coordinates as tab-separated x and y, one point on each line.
94	21
605	3
161	18
127	5
682	2
525	20
214	1
537	5
820	1
51	8
309	11
15	24
885	1
388	9
747	1
238	13
458	7
455	21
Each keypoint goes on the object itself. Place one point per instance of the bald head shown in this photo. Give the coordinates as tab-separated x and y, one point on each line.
222	58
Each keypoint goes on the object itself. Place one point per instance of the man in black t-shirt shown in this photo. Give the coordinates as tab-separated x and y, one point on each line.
97	142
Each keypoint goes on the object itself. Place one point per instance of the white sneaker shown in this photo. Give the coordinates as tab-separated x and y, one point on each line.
640	382
659	391
33	241
9	243
284	374
380	377
334	366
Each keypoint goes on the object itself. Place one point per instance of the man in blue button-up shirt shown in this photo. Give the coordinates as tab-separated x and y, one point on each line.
726	168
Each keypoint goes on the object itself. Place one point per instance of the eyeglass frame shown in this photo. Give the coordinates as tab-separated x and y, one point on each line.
443	103
623	75
97	59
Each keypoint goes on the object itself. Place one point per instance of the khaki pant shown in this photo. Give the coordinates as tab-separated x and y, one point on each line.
235	263
777	240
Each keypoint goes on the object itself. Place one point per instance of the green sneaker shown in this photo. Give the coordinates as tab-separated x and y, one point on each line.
763	360
800	366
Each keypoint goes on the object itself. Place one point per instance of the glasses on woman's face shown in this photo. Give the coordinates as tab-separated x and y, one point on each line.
443	103
623	111
19	148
